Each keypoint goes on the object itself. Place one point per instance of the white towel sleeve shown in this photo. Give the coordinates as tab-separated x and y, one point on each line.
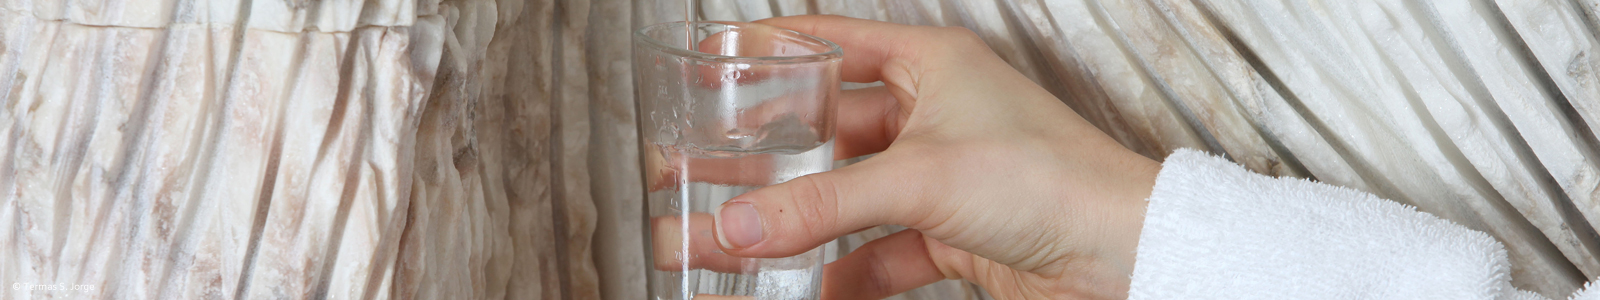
1214	230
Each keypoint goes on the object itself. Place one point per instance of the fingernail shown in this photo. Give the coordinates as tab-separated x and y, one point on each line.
738	226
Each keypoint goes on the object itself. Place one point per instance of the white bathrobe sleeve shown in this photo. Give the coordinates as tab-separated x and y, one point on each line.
1214	230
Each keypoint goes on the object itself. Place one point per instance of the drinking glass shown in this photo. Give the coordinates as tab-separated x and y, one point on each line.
753	107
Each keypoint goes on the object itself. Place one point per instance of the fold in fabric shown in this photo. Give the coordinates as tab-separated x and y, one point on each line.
1214	230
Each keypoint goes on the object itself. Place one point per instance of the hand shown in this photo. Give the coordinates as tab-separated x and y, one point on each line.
1000	183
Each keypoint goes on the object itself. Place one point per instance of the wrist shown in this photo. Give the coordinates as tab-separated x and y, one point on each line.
1127	180
1128	208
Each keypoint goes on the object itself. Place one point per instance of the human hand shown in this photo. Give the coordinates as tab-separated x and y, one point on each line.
1000	183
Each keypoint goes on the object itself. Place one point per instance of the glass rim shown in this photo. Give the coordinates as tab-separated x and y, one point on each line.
834	52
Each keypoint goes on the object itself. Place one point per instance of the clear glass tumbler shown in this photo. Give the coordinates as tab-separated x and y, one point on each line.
753	107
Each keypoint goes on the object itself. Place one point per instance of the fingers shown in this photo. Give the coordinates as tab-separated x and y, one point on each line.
679	244
795	216
911	60
869	46
751	40
881	268
868	120
921	64
756	41
666	167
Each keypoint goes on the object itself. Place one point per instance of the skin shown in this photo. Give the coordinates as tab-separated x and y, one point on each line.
999	182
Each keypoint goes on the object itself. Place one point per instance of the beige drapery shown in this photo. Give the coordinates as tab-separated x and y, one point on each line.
485	149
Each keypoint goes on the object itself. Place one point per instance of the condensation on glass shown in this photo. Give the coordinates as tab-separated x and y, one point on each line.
753	107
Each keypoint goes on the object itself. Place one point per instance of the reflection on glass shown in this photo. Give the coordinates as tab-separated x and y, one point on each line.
756	110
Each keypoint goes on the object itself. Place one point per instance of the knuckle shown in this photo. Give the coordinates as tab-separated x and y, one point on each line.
957	42
817	205
879	278
960	35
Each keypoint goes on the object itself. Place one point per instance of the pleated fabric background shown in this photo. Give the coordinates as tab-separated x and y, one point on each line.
476	149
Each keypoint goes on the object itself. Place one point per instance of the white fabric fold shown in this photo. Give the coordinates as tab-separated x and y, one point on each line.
1214	230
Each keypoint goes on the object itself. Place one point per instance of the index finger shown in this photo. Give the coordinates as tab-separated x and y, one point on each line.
870	47
879	51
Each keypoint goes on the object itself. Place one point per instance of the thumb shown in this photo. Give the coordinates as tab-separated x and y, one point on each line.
795	216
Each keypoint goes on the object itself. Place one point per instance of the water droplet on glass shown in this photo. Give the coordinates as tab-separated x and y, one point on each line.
739	133
666	136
